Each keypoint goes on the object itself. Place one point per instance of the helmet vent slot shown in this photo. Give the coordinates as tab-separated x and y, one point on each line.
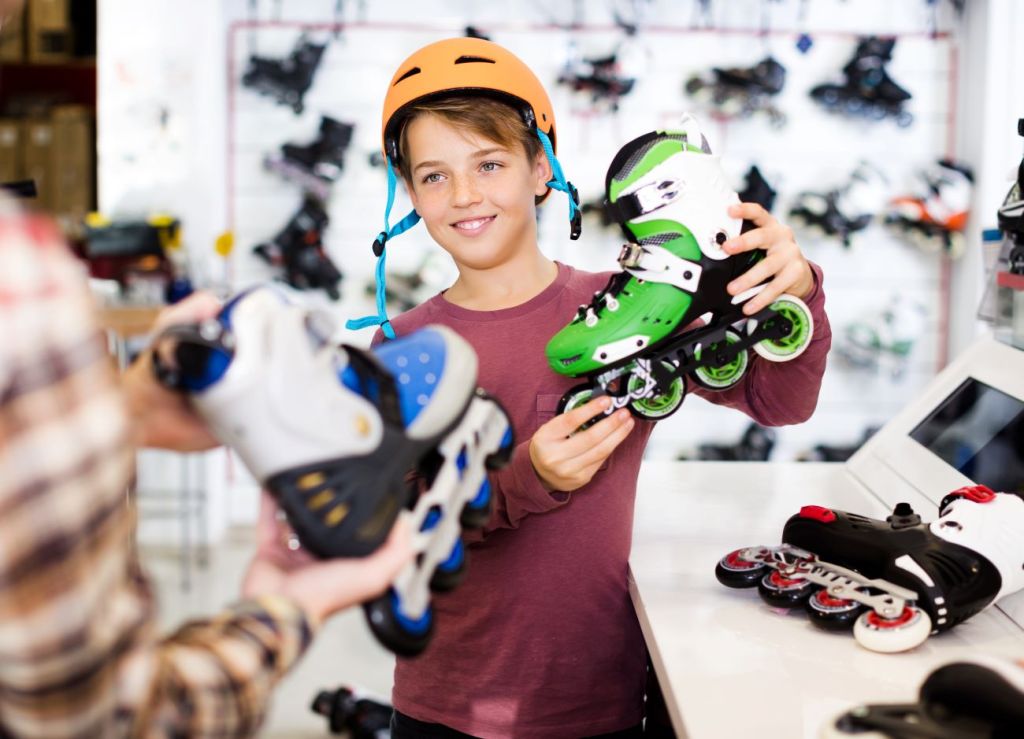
407	75
466	59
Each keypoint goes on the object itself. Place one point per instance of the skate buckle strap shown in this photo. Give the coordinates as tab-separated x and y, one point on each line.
645	199
657	264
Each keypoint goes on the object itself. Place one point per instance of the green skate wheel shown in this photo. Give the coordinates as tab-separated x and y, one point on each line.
792	346
661	405
725	375
574	398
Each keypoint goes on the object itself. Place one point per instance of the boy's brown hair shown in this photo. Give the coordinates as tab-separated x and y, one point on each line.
480	115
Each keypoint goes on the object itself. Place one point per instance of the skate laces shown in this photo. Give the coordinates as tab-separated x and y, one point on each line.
379	249
563	185
605	297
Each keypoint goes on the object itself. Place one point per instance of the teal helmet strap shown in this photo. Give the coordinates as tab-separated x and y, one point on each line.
560	183
379	249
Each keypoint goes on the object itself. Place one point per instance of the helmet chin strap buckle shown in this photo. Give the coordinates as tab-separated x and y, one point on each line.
576	223
378	244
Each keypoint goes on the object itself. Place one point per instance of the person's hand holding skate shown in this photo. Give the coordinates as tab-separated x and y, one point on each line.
566	458
320	587
783	264
162	418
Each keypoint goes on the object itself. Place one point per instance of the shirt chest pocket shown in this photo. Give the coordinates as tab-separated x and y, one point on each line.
547	408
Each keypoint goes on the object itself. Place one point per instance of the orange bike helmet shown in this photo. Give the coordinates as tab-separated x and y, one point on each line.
464	65
461	65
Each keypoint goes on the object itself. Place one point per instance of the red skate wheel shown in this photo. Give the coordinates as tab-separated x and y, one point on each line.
832	614
880	634
735	571
780	591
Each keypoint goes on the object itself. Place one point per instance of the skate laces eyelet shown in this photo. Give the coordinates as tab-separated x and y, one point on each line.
611	302
591	318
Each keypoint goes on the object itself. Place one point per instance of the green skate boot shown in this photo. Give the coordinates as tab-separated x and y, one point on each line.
633	341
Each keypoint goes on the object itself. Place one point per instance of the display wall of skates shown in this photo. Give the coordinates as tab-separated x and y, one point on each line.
332	431
603	78
845	210
636	341
893	582
934	216
757	189
867	92
741	92
884	339
286	80
1011	216
299	250
315	166
977	698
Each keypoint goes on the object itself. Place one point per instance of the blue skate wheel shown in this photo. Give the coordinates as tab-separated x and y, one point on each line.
476	513
503	456
405	636
451	572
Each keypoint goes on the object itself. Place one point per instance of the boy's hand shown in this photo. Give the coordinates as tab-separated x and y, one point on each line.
320	587
783	262
162	418
564	460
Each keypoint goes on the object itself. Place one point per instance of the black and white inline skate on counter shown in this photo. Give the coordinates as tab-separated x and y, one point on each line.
735	662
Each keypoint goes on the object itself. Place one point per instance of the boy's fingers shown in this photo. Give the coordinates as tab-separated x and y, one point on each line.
600	451
566	423
751	212
757	238
753	276
585	440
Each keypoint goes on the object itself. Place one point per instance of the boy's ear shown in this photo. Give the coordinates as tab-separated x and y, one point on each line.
543	173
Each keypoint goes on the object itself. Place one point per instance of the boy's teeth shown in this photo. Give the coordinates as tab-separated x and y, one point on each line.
470	225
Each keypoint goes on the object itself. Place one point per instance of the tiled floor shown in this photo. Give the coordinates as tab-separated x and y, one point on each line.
344	652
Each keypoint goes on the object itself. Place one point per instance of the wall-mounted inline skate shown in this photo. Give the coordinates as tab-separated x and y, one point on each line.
331	432
934	215
286	80
740	92
633	341
315	166
977	698
868	91
846	210
299	251
894	581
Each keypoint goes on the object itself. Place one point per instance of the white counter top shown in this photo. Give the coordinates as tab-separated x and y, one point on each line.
728	665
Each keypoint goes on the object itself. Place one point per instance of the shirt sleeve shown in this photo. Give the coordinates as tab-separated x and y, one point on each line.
783	393
79	656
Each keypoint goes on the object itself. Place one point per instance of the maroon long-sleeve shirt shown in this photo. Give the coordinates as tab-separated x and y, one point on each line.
541	638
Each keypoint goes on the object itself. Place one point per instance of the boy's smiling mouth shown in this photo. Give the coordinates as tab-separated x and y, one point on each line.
471	226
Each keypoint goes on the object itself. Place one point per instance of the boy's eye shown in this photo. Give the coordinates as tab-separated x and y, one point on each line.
490	166
432	177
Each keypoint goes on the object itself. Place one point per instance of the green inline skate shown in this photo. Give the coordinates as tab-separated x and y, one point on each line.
633	341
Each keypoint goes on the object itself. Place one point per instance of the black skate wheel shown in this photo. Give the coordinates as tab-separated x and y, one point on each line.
832	614
451	572
477	512
658	406
779	591
734	571
404	636
503	455
574	398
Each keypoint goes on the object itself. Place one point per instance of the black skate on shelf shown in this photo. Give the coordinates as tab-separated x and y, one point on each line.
868	91
315	166
1011	216
298	249
894	581
977	698
740	92
348	712
286	80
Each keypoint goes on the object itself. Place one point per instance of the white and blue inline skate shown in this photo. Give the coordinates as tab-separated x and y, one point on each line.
333	432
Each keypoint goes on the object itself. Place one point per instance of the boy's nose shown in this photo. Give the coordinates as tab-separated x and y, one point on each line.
464	192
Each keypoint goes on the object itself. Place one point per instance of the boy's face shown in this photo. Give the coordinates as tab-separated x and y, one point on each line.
475	196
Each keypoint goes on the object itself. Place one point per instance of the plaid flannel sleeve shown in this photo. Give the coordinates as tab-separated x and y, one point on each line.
79	656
